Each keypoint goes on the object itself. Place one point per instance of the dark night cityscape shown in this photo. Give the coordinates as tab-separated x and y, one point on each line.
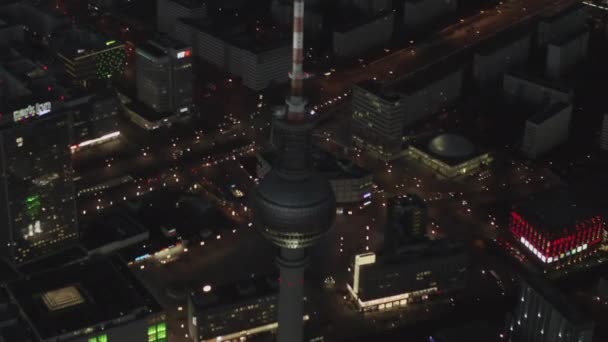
303	170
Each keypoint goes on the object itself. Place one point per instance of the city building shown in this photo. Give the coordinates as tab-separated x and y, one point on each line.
93	301
524	88
37	202
258	57
89	58
173	10
543	314
547	129
604	134
406	221
382	112
378	119
449	155
10	33
233	312
505	51
556	229
414	273
565	54
558	25
356	36
95	118
164	75
350	183
420	14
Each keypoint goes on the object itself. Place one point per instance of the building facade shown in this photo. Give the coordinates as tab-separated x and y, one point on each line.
493	60
173	10
87	65
563	56
522	88
37	197
555	231
234	311
544	315
604	134
164	76
416	272
406	221
547	129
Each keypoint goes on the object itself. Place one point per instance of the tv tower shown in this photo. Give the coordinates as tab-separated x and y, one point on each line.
293	206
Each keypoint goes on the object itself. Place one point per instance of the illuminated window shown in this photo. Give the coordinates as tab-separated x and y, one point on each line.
100	338
157	333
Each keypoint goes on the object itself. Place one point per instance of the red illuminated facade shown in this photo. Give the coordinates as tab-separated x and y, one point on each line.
557	247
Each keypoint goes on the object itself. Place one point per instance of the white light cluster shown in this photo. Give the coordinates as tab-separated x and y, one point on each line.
549	260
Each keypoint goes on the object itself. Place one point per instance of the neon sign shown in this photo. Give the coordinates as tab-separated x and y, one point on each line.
185	53
31	111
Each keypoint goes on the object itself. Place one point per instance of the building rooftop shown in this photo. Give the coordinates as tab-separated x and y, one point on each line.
532	77
554	210
81	295
208	297
75	43
380	89
450	148
504	39
560	12
353	19
117	225
548	112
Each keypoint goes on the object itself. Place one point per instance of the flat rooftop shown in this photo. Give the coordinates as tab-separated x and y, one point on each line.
505	39
80	295
113	226
207	297
554	210
380	89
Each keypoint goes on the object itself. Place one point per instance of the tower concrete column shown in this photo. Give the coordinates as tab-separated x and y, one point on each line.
291	263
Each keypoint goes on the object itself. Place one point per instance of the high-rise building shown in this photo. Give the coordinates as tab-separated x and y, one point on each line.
415	272
37	197
406	220
543	314
293	206
89	57
555	229
604	134
164	75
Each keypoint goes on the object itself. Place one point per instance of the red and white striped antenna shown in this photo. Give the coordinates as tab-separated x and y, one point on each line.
296	102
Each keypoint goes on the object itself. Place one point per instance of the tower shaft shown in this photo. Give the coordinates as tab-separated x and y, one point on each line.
291	263
296	102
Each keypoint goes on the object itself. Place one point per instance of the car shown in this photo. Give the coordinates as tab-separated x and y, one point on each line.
206	233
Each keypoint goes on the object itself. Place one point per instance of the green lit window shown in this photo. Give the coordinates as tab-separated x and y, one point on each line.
157	333
100	338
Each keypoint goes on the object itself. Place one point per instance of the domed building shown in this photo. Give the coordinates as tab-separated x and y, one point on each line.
449	154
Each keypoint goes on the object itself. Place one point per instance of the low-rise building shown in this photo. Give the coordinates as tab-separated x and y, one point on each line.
558	25
449	155
91	301
415	272
233	312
